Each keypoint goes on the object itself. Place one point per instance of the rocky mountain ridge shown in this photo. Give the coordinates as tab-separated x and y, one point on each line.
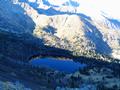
63	24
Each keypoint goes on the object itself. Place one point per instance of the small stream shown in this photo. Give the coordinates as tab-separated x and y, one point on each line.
68	66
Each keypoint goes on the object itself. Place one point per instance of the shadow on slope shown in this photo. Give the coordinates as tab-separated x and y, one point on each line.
13	18
50	29
25	47
114	22
93	33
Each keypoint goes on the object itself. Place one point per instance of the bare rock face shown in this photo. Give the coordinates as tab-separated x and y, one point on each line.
64	24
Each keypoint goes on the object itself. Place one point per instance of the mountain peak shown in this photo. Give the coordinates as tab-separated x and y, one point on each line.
84	23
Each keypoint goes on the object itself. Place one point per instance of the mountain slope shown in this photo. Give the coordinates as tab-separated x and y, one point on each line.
70	24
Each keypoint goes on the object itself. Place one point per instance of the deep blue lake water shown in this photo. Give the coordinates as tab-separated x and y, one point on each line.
67	66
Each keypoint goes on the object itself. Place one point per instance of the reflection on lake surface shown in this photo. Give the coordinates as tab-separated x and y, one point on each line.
68	66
